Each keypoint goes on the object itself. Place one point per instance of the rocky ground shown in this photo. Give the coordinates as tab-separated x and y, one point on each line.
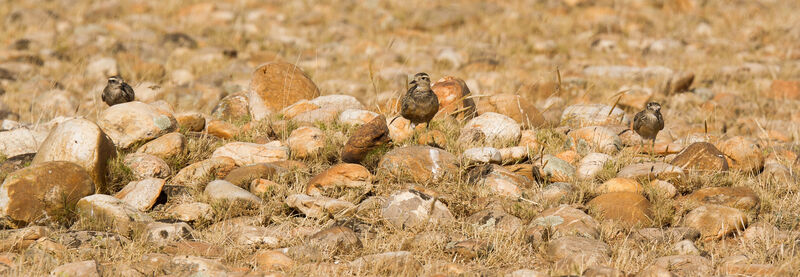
264	138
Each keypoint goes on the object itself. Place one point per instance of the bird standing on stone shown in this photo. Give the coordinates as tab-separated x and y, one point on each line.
419	104
117	91
649	122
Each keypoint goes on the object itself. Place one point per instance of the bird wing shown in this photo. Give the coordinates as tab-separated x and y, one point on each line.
638	120
660	124
128	90
103	95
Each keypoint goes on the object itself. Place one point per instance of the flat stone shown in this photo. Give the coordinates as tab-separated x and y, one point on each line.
411	208
246	153
571	253
192	121
222	129
591	165
141	194
742	198
223	190
702	156
483	155
195	174
595	138
621	185
497	128
122	216
244	176
147	166
357	117
160	233
555	169
190	212
715	221
369	136
305	142
743	154
84	268
21	141
584	115
419	163
496	219
336	239
562	221
627	208
686	265
166	146
338	178
651	170
320	206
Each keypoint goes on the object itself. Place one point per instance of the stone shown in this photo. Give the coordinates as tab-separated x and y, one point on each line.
453	94
196	266
321	115
602	271
529	140
197	173
340	177
337	102
147	166
166	146
483	155
400	263
433	138
263	186
191	121
222	129
514	106
254	236
244	176
47	190
621	185
419	163
685	247
680	82
663	189
562	221
141	194
367	137
135	122
102	68
527	273
84	268
569	156
571	253
513	154
584	115
82	142
627	208
357	117
715	221
495	218
753	270
555	192
595	138
270	260
232	108
399	129
659	235
320	206
685	265
652	170
743	154
21	141
591	165
742	198
305	142
191	212
194	248
277	84
782	90
499	180
123	217
701	156
336	239
298	108
220	190
408	209
21	239
498	129
160	233
468	249
555	169
246	153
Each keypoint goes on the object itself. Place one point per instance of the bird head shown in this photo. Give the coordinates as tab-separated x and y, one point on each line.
421	80
653	107
115	80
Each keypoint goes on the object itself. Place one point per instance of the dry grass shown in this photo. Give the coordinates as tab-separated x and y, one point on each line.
537	49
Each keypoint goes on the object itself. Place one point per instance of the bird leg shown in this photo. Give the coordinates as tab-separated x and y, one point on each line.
653	150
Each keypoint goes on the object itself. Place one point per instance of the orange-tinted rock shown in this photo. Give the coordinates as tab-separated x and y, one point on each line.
715	221
624	207
701	156
366	138
433	138
781	89
45	190
276	85
222	129
452	93
232	107
621	185
194	122
269	260
742	198
352	176
306	142
243	176
743	154
166	146
512	105
419	163
298	108
562	221
569	156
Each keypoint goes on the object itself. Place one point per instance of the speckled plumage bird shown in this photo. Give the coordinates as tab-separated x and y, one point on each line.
117	91
649	122
419	104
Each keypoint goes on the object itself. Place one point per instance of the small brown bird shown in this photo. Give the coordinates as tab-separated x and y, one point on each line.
649	122
420	104
117	91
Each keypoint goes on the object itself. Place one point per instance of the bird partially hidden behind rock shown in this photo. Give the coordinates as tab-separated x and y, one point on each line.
649	122
419	104
117	91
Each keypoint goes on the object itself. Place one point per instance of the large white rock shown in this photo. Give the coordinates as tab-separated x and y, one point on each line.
411	208
141	194
498	128
134	122
21	141
483	155
224	190
246	153
82	142
122	216
338	102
